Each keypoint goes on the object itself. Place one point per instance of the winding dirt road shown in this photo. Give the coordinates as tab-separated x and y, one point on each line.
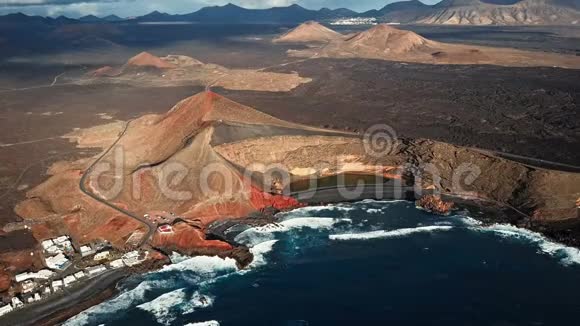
150	226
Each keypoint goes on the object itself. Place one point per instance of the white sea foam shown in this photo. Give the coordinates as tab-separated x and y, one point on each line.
260	234
198	301
122	302
168	306
314	210
389	234
162	306
176	257
207	266
259	251
205	323
469	221
567	255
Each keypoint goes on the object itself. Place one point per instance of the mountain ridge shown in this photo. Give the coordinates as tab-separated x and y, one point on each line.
446	12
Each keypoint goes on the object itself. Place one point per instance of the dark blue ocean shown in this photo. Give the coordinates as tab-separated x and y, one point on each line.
367	263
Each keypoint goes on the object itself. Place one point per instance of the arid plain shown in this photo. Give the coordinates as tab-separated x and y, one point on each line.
45	95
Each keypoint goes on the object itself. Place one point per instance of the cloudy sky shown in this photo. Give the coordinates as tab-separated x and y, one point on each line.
126	8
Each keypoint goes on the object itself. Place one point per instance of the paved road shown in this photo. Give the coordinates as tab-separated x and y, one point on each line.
150	226
31	314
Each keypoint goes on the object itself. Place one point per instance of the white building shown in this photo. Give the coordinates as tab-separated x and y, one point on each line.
37	296
23	277
44	274
58	262
92	271
53	250
79	274
58	245
102	255
132	258
86	251
5	309
355	21
16	303
117	263
47	244
47	291
61	239
69	280
57	285
28	286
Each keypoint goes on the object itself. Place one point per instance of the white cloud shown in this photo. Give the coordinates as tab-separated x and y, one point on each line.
75	9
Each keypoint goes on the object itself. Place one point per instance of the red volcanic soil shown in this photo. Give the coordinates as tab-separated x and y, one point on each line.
5	279
261	200
154	144
185	238
145	59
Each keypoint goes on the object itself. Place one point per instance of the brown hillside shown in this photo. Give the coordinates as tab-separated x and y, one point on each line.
388	43
384	39
524	12
309	32
146	59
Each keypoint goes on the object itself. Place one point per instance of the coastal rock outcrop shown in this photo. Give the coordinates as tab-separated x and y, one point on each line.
434	204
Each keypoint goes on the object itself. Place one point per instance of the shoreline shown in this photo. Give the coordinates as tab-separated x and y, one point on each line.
69	302
92	292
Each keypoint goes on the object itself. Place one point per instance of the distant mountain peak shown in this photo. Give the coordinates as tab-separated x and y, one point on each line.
231	5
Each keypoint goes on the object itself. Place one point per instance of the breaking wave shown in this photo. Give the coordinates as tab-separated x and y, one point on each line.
205	323
260	234
203	271
168	306
120	303
567	255
207	266
259	251
389	234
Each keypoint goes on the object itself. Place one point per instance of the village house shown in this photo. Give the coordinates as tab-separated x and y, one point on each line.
92	271
69	280
57	285
28	286
58	262
86	251
117	264
44	274
16	303
5	309
102	256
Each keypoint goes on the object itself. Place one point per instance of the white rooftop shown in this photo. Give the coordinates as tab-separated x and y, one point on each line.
102	255
61	239
47	243
56	262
